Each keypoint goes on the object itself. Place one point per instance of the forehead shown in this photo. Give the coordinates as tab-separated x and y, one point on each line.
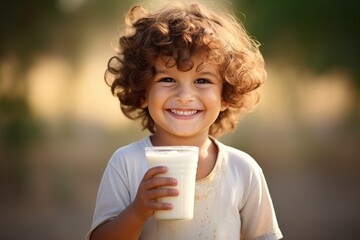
196	63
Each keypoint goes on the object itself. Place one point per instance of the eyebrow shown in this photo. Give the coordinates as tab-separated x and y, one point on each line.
164	71
208	73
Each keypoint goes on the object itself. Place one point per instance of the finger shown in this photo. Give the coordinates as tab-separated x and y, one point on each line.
154	205
154	171
157	182
161	192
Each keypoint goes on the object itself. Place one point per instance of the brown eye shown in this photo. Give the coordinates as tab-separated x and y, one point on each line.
202	81
166	80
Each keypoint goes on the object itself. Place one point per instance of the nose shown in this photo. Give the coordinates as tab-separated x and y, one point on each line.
184	93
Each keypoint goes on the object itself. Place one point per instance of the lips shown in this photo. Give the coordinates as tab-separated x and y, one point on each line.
185	113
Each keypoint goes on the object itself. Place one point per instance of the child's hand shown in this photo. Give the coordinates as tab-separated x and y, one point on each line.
150	189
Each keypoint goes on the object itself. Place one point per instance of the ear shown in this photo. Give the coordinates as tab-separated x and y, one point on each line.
224	105
144	103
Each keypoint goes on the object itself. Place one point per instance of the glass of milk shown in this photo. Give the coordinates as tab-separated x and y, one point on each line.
182	164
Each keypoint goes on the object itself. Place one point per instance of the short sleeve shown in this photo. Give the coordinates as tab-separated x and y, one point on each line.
113	197
120	182
258	218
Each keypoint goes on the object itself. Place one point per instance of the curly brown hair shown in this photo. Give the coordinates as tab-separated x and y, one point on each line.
177	32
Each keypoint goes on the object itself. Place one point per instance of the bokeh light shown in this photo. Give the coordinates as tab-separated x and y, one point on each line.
59	123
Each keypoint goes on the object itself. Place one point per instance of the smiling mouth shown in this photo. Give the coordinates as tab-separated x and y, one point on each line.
185	113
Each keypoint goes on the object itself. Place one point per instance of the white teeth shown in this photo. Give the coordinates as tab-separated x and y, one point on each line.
184	113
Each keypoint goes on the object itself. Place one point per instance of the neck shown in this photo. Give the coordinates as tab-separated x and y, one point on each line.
206	146
199	141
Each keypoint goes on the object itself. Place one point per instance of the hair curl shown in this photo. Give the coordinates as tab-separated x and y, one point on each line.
177	33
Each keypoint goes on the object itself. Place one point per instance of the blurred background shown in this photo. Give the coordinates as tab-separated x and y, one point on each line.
59	123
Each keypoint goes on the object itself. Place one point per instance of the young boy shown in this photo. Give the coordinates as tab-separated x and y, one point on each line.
187	72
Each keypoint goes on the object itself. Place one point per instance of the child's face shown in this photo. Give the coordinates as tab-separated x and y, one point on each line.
184	104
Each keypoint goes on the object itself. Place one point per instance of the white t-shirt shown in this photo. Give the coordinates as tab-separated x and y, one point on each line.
232	200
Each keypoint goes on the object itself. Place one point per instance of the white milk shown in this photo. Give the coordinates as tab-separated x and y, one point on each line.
182	164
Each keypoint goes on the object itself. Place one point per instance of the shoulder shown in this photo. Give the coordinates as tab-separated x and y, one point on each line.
129	152
237	156
239	163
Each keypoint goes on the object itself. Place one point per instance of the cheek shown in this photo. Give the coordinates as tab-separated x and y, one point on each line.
155	99
213	97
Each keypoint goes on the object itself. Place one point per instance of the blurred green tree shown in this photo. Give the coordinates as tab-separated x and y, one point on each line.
29	28
22	25
319	34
